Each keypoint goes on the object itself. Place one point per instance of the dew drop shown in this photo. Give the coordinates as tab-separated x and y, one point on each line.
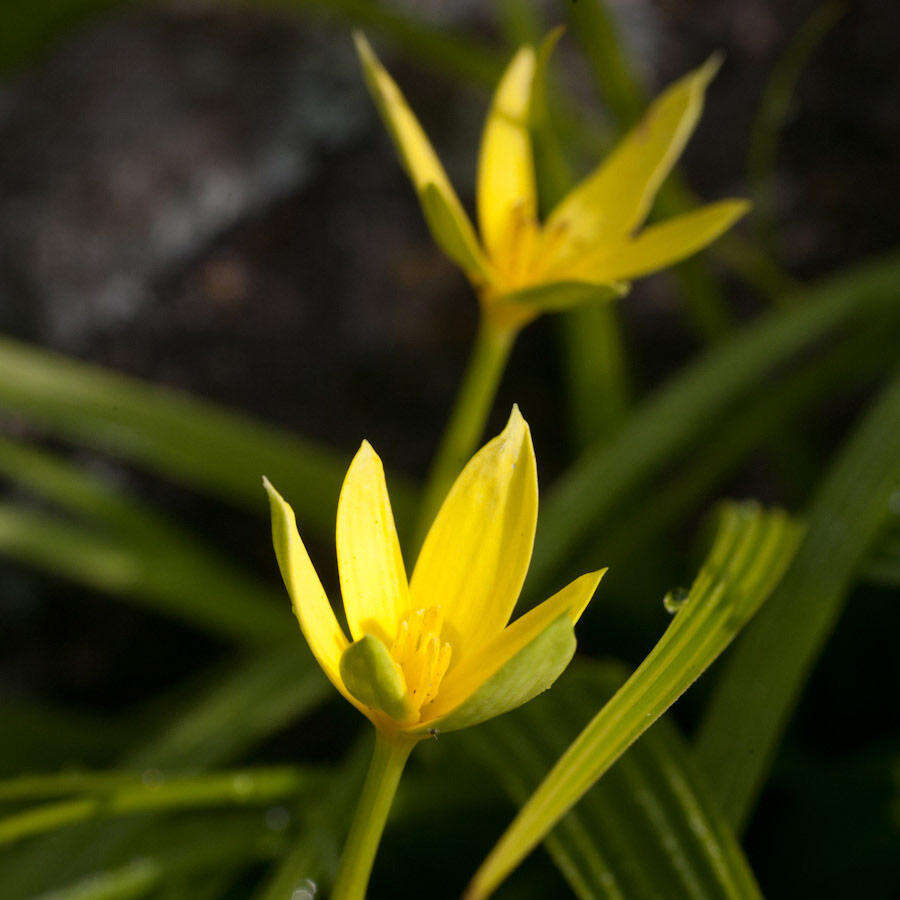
675	599
306	890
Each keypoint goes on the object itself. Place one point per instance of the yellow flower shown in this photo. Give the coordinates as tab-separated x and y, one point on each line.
435	652
590	244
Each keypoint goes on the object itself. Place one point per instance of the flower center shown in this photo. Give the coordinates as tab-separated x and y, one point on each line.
421	654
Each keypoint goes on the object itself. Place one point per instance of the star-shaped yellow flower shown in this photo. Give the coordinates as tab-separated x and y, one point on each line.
591	243
435	652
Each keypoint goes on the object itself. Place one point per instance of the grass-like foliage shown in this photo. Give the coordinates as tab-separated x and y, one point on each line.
250	776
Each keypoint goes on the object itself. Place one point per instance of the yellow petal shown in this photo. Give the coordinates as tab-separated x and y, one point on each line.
507	198
616	198
373	579
314	613
530	672
462	682
661	245
449	224
476	555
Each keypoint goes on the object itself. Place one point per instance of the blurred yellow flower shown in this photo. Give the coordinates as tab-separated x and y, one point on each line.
590	244
435	653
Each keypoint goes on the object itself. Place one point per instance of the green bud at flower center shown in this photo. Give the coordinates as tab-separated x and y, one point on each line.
399	681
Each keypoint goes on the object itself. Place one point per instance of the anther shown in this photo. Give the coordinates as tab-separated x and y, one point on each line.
421	654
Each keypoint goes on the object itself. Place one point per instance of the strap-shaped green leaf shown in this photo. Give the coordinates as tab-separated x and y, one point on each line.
128	548
233	712
884	566
195	443
115	795
645	830
750	553
660	508
677	415
171	584
760	686
202	845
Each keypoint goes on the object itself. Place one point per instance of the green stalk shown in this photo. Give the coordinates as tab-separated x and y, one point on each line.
473	404
372	811
597	372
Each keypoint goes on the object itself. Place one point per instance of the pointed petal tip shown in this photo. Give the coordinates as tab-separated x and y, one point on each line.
527	52
593	579
524	56
731	210
552	37
516	431
271	490
705	73
516	419
363	47
366	458
371	64
740	207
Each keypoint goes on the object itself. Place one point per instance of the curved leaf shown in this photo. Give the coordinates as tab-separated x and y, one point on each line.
750	553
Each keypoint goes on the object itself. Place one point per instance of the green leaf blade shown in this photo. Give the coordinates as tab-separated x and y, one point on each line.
764	676
647	829
751	551
193	442
677	415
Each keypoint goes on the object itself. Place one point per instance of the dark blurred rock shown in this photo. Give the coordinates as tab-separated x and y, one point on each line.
144	138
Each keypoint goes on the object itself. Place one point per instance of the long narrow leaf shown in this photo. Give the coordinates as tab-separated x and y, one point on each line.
193	442
253	700
79	739
764	676
750	553
81	492
207	843
169	567
677	415
241	787
884	566
775	108
647	829
664	504
156	580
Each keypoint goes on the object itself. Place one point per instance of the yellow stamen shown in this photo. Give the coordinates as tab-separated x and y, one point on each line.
421	654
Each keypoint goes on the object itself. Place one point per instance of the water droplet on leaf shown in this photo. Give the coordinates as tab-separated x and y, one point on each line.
305	891
675	599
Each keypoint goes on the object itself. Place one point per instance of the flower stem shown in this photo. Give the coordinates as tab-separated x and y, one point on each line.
371	815
470	411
